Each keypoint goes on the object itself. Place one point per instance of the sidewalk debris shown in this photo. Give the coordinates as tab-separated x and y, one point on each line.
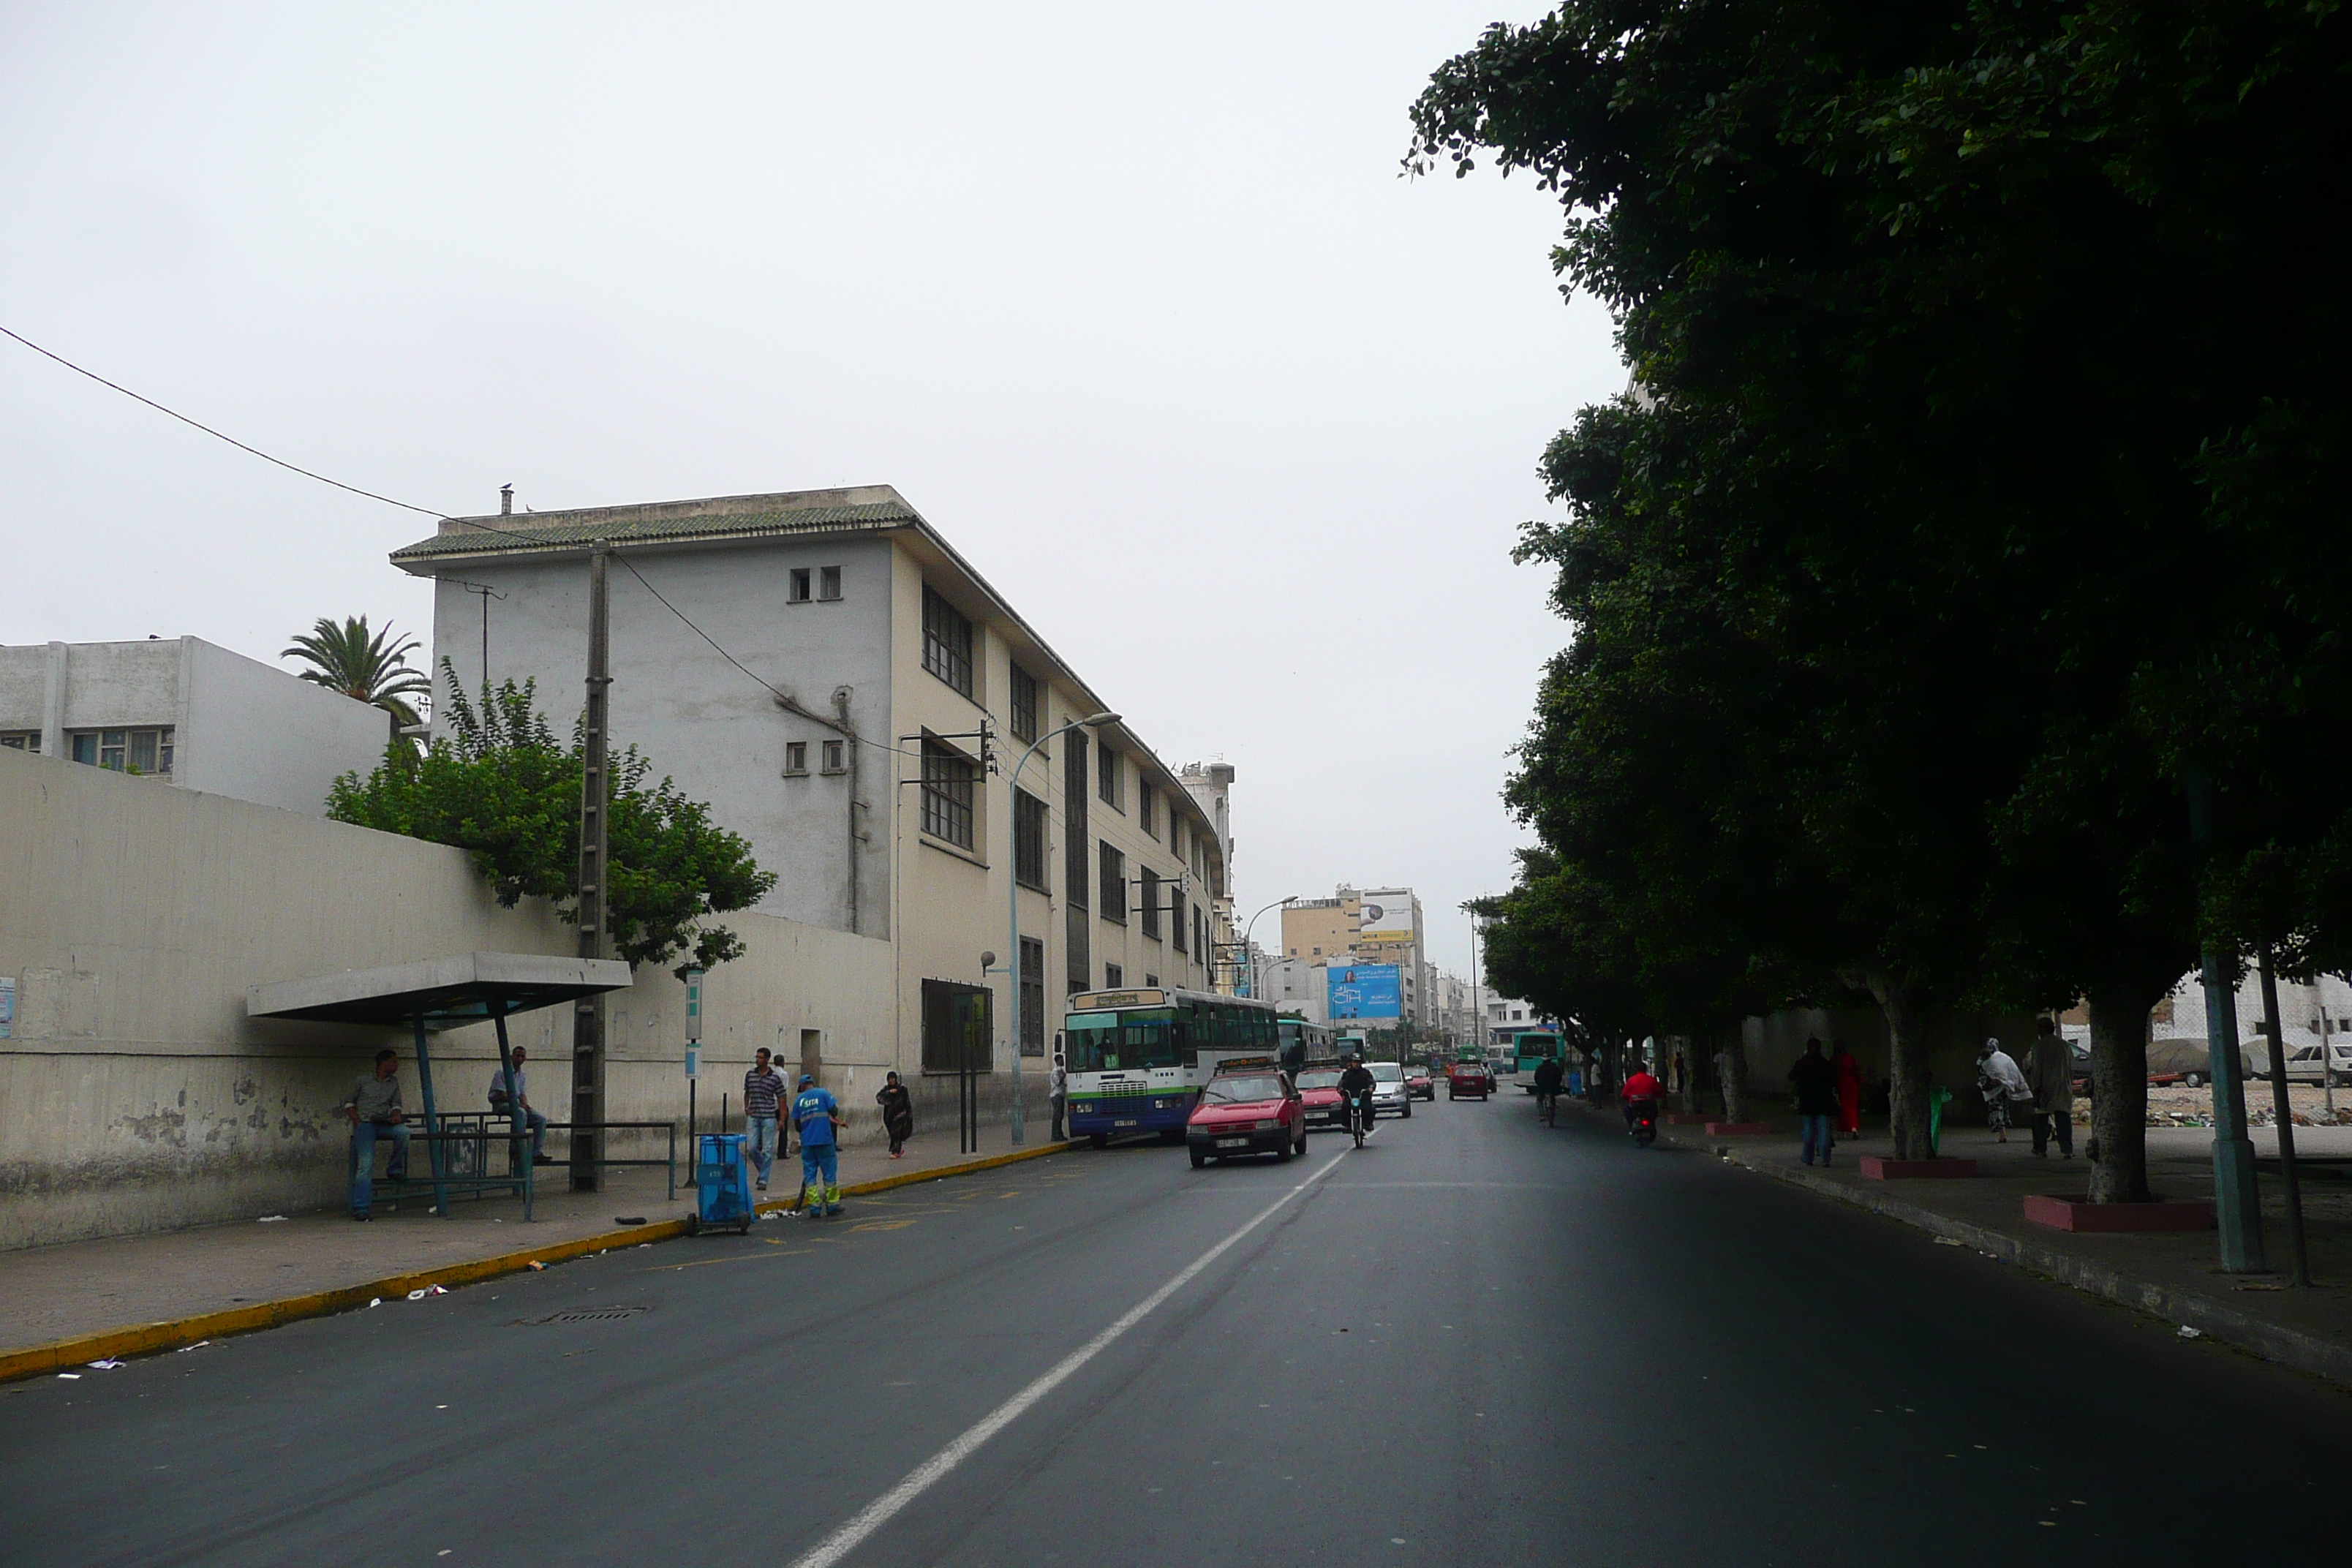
537	1266
71	1376
2189	1333
628	1219
375	1300
419	1294
197	1346
271	1219
1948	1241
108	1365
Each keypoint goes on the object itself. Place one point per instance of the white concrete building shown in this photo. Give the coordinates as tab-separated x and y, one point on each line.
860	730
189	713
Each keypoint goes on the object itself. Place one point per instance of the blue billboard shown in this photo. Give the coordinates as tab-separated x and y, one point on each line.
1365	991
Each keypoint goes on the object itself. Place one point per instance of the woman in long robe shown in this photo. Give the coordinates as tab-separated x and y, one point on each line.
1849	1092
898	1114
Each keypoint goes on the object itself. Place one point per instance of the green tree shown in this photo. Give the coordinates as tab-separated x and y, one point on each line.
502	788
372	669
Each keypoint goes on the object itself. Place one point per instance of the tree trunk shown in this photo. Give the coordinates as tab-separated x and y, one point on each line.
1699	1074
1912	1020
1735	1081
2119	1009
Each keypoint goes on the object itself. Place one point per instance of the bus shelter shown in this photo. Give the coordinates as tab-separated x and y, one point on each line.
442	994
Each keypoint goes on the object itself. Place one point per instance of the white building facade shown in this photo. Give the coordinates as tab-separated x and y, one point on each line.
189	713
860	730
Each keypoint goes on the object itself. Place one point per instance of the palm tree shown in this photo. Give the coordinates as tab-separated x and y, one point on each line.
372	669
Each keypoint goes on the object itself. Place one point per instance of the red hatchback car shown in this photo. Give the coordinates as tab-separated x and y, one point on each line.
1252	1112
1467	1080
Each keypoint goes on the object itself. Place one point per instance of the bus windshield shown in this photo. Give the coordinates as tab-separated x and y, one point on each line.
1116	1042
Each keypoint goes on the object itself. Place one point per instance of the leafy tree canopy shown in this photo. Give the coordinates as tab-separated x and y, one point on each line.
502	788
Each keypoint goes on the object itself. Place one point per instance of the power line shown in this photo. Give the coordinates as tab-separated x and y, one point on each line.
428	511
208	430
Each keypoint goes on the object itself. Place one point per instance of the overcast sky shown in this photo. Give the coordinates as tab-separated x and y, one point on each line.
1128	302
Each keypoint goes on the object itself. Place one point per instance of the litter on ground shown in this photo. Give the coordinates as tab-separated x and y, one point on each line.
419	1295
2189	1333
271	1219
107	1366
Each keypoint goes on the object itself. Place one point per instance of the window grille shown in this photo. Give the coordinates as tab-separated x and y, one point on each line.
947	794
947	642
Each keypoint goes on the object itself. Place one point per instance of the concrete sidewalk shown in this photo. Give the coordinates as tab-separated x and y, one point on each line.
2176	1277
306	1264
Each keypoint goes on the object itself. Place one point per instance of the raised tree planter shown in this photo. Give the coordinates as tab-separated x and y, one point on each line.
1688	1118
1725	1128
2075	1215
1879	1168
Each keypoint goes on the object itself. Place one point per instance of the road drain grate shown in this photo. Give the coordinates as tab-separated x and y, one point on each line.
591	1315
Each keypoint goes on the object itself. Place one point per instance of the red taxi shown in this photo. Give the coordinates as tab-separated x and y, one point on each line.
1468	1080
1249	1108
1318	1089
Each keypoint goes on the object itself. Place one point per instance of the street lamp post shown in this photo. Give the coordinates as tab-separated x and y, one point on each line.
1012	968
1251	926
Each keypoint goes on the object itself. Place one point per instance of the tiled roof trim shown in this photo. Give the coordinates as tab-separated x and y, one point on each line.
528	532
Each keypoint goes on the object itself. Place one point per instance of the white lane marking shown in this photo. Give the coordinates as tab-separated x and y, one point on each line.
876	1514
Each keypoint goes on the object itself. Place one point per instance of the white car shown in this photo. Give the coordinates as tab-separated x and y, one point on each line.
1390	1094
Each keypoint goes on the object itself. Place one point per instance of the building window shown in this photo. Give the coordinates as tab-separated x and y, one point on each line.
798	593
1318	953
21	739
956	1032
1029	840
1149	979
1497	1010
1518	1016
1024	704
795	756
1151	903
1114	976
1076	872
947	642
828	582
1201	935
1144	805
1106	779
1113	885
124	751
947	794
832	757
1175	833
1176	912
1032	996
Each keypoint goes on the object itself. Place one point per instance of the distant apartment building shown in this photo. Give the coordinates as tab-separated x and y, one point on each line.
861	730
1211	787
1356	927
189	713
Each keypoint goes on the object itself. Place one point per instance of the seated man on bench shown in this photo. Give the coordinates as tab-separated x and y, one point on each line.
376	1114
532	1119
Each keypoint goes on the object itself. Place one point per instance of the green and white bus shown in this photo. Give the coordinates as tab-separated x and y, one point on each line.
1136	1060
1536	1047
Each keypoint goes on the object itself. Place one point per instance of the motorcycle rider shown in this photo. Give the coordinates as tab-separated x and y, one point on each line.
1639	1086
1356	1083
1548	1074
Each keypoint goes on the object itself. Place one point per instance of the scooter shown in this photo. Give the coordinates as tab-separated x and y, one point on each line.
1360	1117
1641	1121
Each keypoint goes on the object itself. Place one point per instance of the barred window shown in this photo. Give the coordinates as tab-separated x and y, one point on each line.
1032	996
1144	818
1113	885
1074	870
1106	783
947	642
1029	840
1176	909
947	794
1151	903
1024	704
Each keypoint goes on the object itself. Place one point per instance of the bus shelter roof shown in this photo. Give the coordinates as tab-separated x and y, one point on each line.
439	993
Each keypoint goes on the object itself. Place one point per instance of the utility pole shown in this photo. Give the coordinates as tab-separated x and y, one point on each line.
588	1018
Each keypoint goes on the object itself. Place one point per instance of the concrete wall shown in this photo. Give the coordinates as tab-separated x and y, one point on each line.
136	1095
242	728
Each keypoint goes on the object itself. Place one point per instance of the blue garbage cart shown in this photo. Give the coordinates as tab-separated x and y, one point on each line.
722	1185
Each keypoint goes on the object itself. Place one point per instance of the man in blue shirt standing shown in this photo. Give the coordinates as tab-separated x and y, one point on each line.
816	1115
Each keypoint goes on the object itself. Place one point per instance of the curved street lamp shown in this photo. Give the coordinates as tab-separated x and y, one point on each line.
1012	897
1246	939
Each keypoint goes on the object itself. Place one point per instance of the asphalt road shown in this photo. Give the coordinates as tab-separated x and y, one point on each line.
1476	1341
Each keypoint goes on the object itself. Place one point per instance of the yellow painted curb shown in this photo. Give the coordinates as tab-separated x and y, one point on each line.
148	1339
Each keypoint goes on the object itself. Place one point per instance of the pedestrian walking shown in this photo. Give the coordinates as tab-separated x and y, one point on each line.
1816	1082
764	1091
2054	1090
898	1113
1057	1085
375	1110
1680	1076
2002	1086
1849	1092
816	1116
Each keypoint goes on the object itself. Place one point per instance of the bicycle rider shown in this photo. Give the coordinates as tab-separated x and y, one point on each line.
1549	1077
